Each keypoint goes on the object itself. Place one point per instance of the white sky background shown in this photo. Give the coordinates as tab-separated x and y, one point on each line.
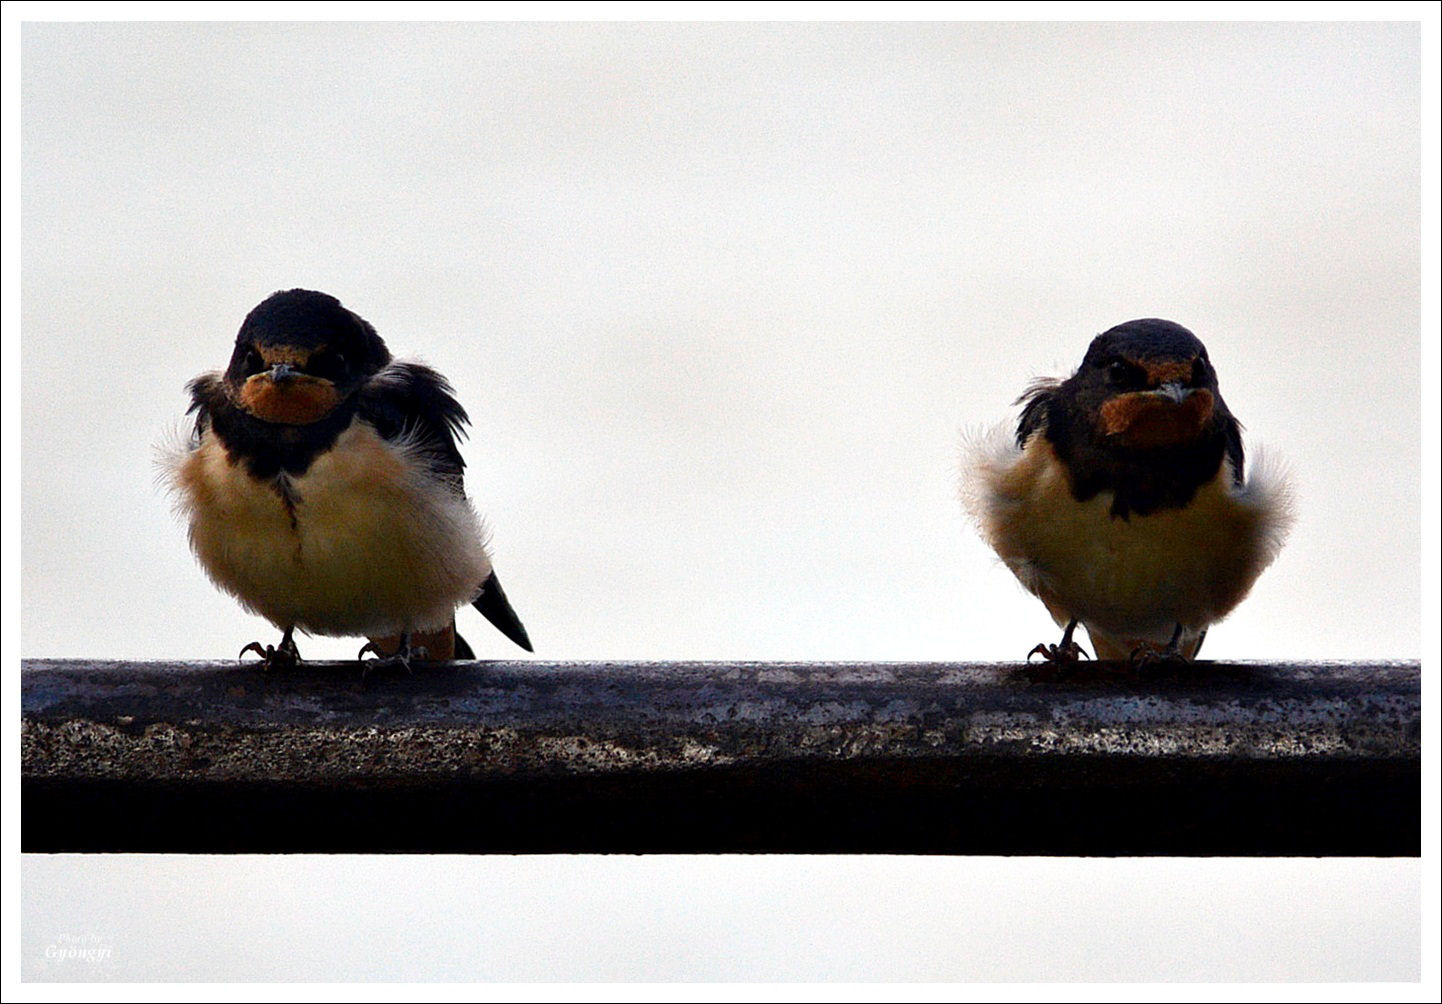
721	300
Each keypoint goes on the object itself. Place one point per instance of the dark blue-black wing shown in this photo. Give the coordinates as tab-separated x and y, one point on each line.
1233	432
415	403
1036	413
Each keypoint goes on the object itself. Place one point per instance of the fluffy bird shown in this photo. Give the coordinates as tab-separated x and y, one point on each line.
323	488
1123	502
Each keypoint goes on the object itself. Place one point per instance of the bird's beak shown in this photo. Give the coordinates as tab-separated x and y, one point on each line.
282	373
1173	392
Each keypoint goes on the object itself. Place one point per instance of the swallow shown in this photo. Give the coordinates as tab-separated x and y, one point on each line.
1122	501
324	490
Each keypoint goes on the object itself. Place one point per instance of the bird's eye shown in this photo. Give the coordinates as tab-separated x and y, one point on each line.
1121	373
253	362
326	364
1199	372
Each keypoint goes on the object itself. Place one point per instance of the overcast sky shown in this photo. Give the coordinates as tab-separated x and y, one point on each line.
723	301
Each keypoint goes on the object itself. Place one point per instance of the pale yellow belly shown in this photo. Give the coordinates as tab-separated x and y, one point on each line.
1134	578
370	546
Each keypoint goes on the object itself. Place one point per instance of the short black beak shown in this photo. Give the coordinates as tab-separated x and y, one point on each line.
281	372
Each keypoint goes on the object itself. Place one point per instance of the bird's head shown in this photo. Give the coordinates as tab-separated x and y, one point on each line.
298	355
1148	384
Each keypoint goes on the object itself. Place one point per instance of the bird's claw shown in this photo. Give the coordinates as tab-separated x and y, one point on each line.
402	656
1067	653
272	656
1150	656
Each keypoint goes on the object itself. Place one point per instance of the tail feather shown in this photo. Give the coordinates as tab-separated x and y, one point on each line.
494	606
463	650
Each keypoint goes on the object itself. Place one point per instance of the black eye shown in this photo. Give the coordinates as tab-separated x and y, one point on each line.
327	365
1199	372
253	362
1121	373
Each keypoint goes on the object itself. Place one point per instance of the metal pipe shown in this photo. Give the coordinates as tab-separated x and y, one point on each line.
1320	758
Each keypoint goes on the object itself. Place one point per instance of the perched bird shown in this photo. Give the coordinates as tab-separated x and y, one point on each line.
1122	502
323	488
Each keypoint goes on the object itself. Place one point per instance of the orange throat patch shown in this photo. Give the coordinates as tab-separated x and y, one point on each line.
1144	420
300	400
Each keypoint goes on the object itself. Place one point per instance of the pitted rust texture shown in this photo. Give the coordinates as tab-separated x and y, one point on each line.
87	749
221	722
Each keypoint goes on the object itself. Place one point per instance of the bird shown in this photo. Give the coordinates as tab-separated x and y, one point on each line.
323	488
1122	500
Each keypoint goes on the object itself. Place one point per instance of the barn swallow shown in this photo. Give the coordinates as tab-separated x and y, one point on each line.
1122	502
323	488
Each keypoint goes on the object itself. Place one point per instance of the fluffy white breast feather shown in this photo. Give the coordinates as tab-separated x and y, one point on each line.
366	542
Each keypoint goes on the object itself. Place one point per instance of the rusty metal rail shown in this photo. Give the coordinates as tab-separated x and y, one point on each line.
538	757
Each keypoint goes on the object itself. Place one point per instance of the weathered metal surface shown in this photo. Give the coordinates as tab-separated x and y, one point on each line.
1311	759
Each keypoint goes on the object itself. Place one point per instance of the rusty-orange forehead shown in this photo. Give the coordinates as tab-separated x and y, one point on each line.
1169	371
297	356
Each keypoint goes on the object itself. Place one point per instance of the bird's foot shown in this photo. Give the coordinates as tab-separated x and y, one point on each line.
1068	653
1149	655
388	657
282	656
1064	655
